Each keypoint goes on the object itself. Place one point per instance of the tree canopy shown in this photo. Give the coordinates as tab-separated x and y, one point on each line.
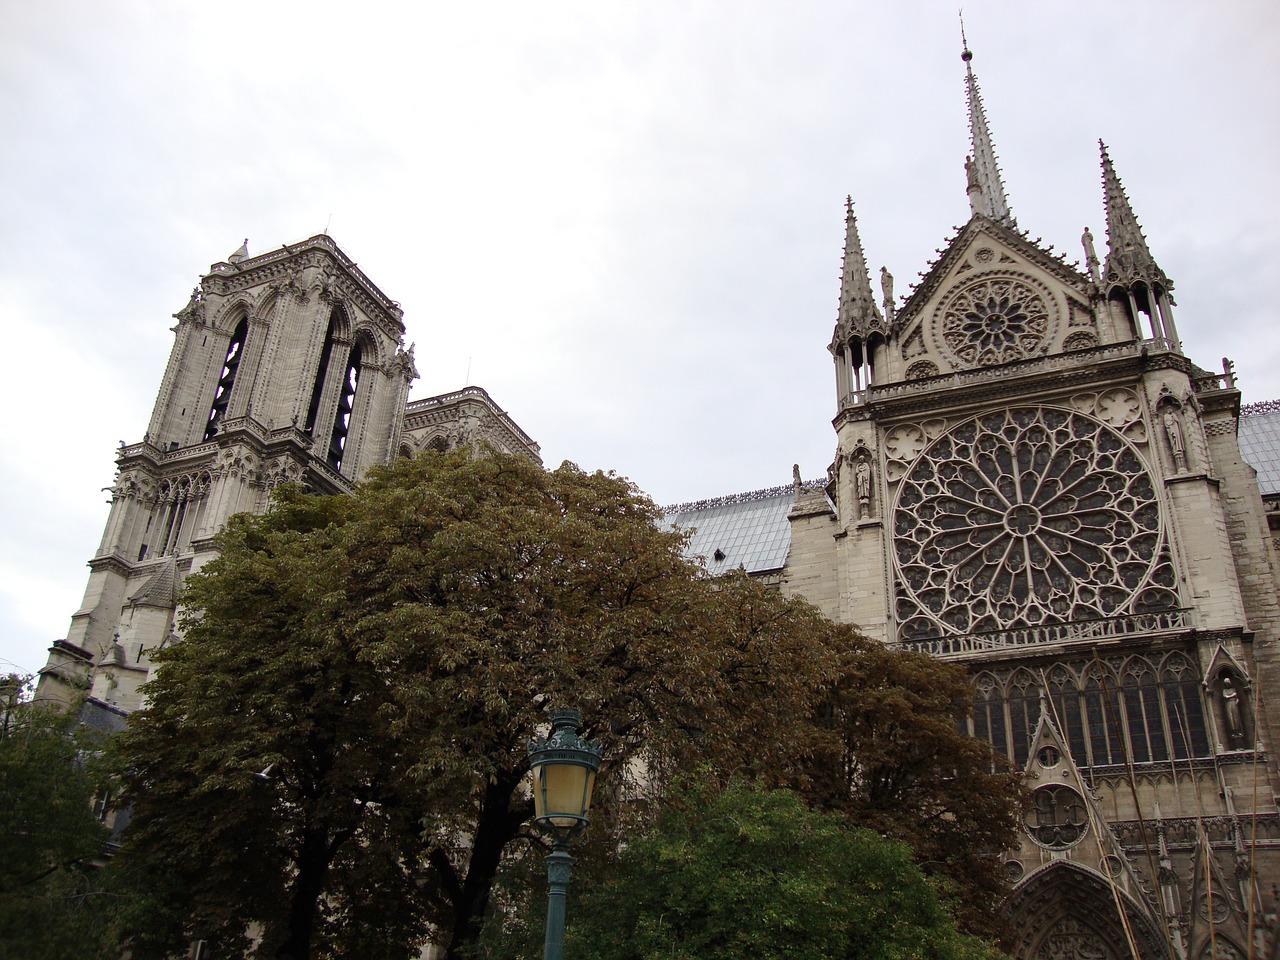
332	760
50	900
894	759
749	872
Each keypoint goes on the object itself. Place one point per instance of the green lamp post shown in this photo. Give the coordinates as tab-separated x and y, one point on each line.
564	773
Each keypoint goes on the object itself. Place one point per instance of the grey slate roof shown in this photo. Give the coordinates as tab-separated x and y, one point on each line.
1260	443
749	529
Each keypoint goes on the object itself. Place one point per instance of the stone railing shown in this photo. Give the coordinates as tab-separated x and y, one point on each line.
1031	367
449	397
325	242
419	406
1079	631
1184	833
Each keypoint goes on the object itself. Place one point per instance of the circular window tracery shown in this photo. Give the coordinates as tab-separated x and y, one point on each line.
1057	818
996	320
1025	517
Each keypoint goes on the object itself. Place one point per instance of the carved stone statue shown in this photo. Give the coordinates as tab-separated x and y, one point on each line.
886	285
862	483
1177	441
795	475
1090	254
1232	714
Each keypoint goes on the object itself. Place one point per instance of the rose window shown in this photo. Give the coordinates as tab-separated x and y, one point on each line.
996	320
1025	517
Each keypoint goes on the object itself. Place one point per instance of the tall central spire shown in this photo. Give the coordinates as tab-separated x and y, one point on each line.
986	189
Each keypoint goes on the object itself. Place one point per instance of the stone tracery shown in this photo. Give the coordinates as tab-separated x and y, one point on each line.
1029	516
996	320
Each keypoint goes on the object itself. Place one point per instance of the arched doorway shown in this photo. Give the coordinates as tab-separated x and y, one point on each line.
1067	912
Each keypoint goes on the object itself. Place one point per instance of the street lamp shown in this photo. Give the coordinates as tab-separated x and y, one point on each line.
564	772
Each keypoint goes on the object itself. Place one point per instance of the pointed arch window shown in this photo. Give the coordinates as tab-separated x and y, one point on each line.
322	372
1024	715
222	395
1184	708
988	713
346	403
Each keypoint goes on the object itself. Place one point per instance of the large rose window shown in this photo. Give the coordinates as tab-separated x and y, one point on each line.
1025	517
996	320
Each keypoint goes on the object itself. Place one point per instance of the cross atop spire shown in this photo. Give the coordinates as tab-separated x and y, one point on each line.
986	189
858	311
1128	256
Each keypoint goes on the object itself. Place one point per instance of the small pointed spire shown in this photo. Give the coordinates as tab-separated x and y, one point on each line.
241	254
986	189
858	310
1128	256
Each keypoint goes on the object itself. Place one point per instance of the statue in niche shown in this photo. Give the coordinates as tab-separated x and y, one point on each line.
1232	714
1177	440
862	483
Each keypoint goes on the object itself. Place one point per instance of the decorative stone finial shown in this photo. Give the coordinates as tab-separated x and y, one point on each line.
986	189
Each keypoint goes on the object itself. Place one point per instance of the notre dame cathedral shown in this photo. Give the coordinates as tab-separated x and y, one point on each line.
1030	479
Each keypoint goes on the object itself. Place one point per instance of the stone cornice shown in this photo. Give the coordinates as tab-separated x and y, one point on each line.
229	278
443	409
112	563
1040	376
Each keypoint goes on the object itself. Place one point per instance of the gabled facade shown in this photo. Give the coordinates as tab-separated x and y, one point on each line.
288	366
1034	481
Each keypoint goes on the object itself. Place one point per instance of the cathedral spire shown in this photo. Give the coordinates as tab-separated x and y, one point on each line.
1131	278
986	189
858	310
1128	256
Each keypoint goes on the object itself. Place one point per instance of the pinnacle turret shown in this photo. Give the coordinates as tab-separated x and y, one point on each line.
986	189
1128	256
858	311
1131	278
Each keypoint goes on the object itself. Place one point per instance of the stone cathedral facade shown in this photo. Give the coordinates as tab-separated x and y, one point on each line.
288	366
1031	479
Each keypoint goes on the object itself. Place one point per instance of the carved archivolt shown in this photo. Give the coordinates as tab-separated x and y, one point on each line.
1023	517
1072	940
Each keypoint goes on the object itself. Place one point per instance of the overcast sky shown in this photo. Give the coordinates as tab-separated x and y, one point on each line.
623	220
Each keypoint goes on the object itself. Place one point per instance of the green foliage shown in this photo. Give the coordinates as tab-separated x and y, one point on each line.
754	873
894	760
50	890
389	654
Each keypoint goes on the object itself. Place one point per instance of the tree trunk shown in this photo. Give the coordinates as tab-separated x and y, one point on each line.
313	864
496	826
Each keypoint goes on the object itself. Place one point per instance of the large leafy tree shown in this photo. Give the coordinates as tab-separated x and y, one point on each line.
332	760
51	900
893	759
749	872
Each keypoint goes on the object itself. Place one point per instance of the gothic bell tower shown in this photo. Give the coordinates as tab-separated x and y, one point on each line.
286	366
